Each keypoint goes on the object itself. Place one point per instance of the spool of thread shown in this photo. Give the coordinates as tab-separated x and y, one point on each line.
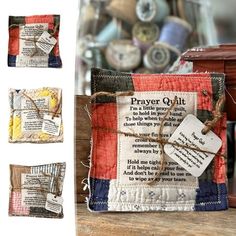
123	9
113	30
175	32
122	55
144	35
159	57
152	10
174	55
93	57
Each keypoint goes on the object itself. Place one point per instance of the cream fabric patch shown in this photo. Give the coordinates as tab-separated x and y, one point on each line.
139	160
29	54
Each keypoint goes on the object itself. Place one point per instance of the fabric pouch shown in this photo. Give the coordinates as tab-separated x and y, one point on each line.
33	41
36	115
124	166
33	188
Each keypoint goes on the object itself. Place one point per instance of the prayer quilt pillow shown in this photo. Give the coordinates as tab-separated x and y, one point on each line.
28	110
30	186
24	32
123	167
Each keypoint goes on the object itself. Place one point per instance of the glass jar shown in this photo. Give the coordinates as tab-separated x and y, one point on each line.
142	36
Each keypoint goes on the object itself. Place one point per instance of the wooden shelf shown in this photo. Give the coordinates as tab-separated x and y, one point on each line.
162	224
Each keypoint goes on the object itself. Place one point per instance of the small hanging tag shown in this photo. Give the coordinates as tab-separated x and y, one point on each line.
189	133
54	203
51	125
46	42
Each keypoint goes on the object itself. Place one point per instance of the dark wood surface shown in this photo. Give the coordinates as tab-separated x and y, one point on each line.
230	71
209	66
225	52
82	144
161	224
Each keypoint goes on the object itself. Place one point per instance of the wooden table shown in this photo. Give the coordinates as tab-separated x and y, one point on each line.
165	223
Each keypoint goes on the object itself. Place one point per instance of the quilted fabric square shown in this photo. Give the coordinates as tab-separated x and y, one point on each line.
123	167
28	110
25	32
30	186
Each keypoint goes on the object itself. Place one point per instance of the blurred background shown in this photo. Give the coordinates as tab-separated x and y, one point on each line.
142	36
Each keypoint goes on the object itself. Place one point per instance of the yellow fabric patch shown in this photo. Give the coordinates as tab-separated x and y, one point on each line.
16	126
44	136
53	102
44	93
10	127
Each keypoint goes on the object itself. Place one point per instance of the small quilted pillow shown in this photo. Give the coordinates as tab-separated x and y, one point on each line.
36	115
32	188
124	167
27	47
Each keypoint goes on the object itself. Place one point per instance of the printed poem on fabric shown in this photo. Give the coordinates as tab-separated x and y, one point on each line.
29	33
34	187
139	160
32	123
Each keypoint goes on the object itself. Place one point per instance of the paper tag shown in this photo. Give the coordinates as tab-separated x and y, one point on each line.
54	203
46	42
189	134
51	125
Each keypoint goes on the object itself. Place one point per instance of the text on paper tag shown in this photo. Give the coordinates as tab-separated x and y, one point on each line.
51	125
54	203
46	42
189	133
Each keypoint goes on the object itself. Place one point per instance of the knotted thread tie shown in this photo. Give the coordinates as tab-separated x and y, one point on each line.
41	189
217	115
34	40
55	113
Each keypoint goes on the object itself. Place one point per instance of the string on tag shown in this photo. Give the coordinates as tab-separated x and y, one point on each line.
38	110
83	164
85	183
217	115
56	182
108	94
35	40
15	25
160	134
88	113
230	95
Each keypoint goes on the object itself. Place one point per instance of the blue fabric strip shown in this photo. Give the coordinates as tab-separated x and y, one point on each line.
211	197
54	62
11	61
99	189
